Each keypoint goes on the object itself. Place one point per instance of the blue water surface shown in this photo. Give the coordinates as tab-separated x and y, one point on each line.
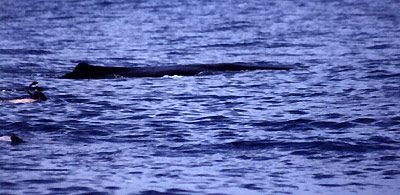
329	126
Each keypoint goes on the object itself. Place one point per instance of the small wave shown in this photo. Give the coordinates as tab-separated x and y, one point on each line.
323	176
302	45
307	148
168	191
384	76
389	158
243	44
383	46
391	172
303	124
172	76
251	186
24	52
231	26
62	18
7	184
380	139
332	125
364	120
105	3
333	185
71	189
43	181
90	133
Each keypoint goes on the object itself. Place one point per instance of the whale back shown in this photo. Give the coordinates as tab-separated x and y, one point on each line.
86	71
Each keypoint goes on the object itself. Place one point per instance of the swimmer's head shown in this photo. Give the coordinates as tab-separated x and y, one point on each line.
34	86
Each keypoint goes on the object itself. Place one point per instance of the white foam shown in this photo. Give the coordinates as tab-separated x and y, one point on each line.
5	138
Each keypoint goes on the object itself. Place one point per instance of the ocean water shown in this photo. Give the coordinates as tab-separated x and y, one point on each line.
329	126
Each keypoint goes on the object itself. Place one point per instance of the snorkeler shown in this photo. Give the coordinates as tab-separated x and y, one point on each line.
13	139
35	95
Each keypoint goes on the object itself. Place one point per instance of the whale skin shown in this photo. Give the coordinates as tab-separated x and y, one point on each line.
87	71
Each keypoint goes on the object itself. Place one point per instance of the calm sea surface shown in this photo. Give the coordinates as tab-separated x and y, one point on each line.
329	126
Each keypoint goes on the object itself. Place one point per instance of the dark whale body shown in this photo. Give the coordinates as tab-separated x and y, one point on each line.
86	71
